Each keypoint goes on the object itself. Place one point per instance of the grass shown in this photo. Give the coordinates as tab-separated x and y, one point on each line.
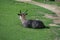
11	27
49	2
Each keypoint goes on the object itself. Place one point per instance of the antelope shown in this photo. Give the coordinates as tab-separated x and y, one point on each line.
30	23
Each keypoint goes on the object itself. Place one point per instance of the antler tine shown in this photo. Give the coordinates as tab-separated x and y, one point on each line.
20	11
26	11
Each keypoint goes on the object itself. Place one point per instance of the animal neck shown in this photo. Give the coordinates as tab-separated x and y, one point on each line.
23	19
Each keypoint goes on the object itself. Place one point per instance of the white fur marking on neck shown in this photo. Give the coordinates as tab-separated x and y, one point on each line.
20	17
22	20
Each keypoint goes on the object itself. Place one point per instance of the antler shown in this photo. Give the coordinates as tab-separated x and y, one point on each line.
25	11
20	11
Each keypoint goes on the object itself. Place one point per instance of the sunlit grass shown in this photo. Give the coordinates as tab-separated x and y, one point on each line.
11	27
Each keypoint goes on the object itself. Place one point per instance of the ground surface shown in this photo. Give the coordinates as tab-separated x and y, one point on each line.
56	19
11	27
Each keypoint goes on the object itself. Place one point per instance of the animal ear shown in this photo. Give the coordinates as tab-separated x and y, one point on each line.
18	14
26	14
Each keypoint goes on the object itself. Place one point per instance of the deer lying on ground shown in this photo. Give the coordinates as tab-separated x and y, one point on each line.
30	23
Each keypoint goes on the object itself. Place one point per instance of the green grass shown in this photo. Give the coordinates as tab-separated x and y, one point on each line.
11	27
49	2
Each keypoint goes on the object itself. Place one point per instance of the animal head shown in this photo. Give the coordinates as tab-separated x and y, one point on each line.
23	13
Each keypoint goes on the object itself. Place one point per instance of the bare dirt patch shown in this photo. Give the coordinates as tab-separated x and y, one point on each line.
56	21
53	25
50	16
